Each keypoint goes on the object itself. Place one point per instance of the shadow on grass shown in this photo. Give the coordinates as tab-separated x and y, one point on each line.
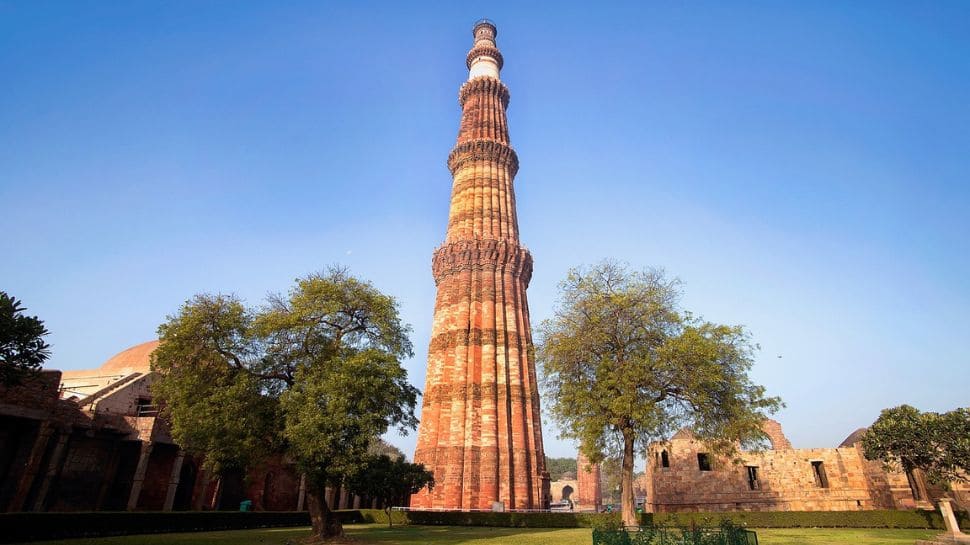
458	535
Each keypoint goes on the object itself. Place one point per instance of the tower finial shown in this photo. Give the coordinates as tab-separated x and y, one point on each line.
485	21
484	59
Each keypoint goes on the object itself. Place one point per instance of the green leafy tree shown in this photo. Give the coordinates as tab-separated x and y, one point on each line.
623	366
314	376
22	346
390	481
380	447
611	476
907	439
558	467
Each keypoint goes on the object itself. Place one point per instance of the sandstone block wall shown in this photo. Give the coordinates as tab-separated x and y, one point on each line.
777	479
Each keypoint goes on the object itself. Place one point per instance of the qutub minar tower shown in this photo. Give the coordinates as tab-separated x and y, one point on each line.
480	429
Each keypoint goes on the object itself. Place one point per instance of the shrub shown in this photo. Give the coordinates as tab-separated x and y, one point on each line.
485	518
606	521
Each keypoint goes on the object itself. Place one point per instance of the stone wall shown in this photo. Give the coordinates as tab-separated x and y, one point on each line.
564	489
679	478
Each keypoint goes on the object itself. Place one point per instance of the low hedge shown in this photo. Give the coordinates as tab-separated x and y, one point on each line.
15	527
751	519
811	519
486	518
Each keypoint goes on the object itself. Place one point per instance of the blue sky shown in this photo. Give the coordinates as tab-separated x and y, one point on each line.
803	168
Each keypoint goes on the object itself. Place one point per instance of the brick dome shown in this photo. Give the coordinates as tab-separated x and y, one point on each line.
136	359
853	438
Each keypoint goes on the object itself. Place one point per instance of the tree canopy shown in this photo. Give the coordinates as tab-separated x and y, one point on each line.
558	467
315	375
907	439
624	366
22	346
389	480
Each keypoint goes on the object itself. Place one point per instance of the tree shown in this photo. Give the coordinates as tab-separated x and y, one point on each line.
558	467
937	444
314	376
611	476
391	482
22	346
380	447
623	366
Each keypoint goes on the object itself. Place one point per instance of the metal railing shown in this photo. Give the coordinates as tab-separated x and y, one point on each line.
146	410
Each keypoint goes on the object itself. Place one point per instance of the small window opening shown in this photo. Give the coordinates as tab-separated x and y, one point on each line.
703	461
753	483
664	459
818	469
144	407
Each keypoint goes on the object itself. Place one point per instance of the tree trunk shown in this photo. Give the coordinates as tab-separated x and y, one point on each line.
627	501
325	523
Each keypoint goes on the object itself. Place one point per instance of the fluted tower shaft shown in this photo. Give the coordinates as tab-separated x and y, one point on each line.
480	428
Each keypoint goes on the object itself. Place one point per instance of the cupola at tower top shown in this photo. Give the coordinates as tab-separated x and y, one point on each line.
485	29
484	59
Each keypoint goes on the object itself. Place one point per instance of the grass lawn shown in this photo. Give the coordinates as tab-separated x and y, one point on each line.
460	535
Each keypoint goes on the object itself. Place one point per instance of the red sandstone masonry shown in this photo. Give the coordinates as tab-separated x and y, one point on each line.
480	428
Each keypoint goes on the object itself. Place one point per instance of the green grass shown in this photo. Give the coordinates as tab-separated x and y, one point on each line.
855	536
461	535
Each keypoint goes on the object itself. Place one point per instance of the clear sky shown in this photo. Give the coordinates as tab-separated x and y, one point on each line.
804	168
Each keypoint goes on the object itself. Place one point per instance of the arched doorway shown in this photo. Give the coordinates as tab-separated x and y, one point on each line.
567	491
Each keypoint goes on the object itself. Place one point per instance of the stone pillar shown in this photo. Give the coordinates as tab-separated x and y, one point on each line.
173	480
216	498
53	468
301	495
140	470
949	519
31	467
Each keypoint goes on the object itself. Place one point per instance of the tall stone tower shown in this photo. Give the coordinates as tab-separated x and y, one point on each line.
480	430
589	492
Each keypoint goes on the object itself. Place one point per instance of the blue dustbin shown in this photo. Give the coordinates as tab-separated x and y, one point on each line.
246	505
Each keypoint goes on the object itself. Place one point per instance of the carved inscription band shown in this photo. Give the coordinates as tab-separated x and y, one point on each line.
477	255
483	150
